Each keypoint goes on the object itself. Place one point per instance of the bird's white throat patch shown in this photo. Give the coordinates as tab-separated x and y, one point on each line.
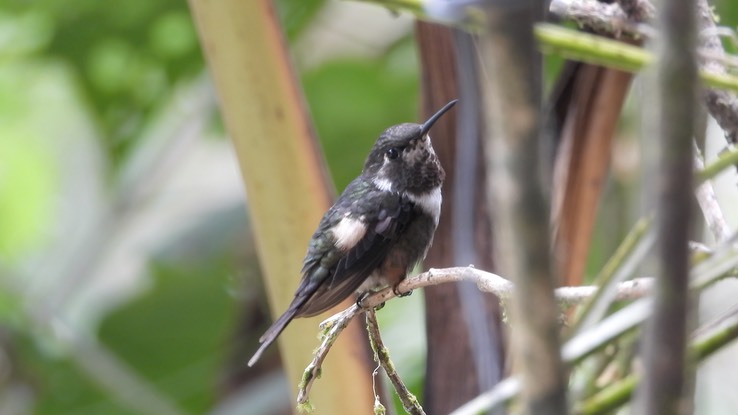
383	184
348	232
429	202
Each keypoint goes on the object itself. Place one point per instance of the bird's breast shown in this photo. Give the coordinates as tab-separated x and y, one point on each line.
406	252
428	202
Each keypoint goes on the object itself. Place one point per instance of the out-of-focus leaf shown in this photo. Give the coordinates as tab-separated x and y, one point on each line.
26	190
173	35
175	334
59	386
24	33
27	170
727	11
126	57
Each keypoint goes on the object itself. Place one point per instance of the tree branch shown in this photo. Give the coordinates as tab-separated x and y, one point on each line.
486	281
718	265
705	341
612	19
330	330
607	18
381	356
722	105
599	50
724	160
709	206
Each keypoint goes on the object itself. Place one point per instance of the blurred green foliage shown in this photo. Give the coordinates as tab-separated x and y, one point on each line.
119	66
727	13
353	101
125	57
26	188
176	334
297	15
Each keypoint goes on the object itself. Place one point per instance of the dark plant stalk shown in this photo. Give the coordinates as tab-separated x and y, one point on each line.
512	96
662	390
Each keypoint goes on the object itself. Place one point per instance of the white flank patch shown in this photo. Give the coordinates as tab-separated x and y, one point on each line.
348	233
383	184
429	202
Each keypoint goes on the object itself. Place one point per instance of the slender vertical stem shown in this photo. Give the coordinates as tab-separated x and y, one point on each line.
512	93
663	386
457	311
381	355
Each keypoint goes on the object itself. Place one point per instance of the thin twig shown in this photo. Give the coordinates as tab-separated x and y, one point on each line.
719	265
573	351
611	19
492	399
501	287
621	265
705	341
598	50
725	159
381	356
485	281
313	370
638	10
605	18
709	206
722	105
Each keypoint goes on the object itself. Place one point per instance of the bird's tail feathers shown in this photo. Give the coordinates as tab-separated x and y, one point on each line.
272	333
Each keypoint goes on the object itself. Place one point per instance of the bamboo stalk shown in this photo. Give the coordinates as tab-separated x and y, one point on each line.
286	184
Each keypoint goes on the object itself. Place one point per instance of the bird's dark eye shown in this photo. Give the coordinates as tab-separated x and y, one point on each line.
393	153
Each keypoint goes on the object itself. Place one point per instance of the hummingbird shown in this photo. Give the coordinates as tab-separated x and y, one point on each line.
377	231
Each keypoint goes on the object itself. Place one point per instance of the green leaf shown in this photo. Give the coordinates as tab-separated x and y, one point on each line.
27	181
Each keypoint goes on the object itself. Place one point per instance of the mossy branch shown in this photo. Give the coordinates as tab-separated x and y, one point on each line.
381	356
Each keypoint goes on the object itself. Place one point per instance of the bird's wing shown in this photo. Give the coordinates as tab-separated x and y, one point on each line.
364	231
360	256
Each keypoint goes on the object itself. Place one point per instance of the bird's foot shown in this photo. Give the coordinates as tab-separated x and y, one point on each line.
364	296
396	290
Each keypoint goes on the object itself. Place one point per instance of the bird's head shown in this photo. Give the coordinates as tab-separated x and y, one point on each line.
403	160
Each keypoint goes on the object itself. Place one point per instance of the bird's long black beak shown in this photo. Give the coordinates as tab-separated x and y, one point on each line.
432	120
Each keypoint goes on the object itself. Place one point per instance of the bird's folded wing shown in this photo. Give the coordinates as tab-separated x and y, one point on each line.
362	259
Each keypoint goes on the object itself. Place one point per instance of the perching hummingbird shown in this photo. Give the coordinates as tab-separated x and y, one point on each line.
379	228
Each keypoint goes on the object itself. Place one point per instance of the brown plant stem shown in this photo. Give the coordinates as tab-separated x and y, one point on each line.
381	356
485	281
